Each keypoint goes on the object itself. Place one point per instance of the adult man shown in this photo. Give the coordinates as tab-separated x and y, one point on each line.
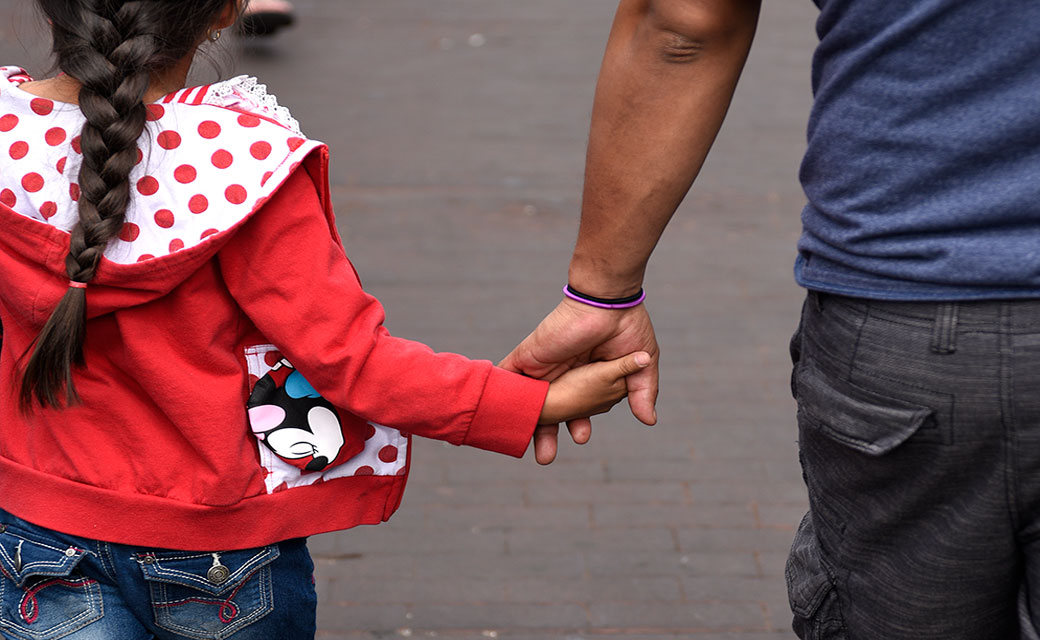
919	348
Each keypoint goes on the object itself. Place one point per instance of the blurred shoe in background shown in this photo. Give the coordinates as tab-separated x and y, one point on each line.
264	17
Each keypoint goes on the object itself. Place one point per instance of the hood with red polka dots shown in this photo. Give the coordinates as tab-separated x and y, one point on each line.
210	156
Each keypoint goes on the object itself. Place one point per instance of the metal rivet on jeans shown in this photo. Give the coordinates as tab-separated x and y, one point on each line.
218	573
148	559
70	552
3	527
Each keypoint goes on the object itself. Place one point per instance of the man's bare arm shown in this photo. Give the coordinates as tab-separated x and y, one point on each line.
668	75
667	79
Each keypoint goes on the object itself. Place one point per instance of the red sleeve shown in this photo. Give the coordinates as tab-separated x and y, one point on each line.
291	277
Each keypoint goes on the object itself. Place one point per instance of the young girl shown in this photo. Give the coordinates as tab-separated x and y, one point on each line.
192	379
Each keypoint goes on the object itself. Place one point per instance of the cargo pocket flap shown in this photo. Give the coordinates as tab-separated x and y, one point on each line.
807	583
23	559
863	420
208	572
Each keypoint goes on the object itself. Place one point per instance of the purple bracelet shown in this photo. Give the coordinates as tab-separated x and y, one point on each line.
605	303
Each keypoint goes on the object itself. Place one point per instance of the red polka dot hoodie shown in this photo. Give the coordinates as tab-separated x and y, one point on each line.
240	387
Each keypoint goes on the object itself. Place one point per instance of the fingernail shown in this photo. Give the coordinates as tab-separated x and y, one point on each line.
642	359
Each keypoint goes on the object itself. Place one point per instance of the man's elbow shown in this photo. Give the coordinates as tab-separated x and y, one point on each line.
685	30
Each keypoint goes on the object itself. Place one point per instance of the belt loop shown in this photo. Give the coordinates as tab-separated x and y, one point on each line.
944	331
817	300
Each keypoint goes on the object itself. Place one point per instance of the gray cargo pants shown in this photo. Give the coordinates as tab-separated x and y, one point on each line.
919	428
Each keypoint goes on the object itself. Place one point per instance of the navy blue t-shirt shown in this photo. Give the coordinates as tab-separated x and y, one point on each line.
923	167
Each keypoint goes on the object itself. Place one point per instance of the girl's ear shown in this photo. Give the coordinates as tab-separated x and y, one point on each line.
229	14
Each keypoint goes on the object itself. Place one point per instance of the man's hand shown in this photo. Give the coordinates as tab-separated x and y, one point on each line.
667	78
574	334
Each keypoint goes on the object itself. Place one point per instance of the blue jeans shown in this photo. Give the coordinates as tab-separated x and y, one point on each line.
919	436
58	586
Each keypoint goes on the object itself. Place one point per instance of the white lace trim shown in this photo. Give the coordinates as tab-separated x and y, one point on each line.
249	90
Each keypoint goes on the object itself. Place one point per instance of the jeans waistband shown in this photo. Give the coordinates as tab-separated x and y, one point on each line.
945	316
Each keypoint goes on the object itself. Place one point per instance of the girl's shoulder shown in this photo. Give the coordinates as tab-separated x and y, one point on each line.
246	93
217	154
210	157
243	94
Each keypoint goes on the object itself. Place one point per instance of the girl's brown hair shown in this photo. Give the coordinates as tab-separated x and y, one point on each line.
114	49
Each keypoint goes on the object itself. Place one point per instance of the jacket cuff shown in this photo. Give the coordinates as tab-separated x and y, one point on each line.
507	414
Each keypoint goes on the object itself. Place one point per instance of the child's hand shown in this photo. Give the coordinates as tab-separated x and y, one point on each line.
590	389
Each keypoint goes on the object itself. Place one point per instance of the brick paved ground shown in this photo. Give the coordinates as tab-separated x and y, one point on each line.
458	130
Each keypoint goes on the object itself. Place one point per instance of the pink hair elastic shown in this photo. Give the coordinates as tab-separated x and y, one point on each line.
605	303
77	285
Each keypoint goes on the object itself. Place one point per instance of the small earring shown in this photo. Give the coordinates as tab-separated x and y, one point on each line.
213	36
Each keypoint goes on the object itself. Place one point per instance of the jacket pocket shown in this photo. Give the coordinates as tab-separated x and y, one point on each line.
209	596
302	438
810	589
41	595
862	419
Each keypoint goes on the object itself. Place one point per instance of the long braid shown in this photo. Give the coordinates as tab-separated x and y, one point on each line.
113	68
112	48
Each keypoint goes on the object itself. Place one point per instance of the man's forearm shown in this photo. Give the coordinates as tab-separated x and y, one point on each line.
667	79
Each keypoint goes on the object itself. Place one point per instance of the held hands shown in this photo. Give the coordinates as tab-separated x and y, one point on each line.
590	389
574	334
